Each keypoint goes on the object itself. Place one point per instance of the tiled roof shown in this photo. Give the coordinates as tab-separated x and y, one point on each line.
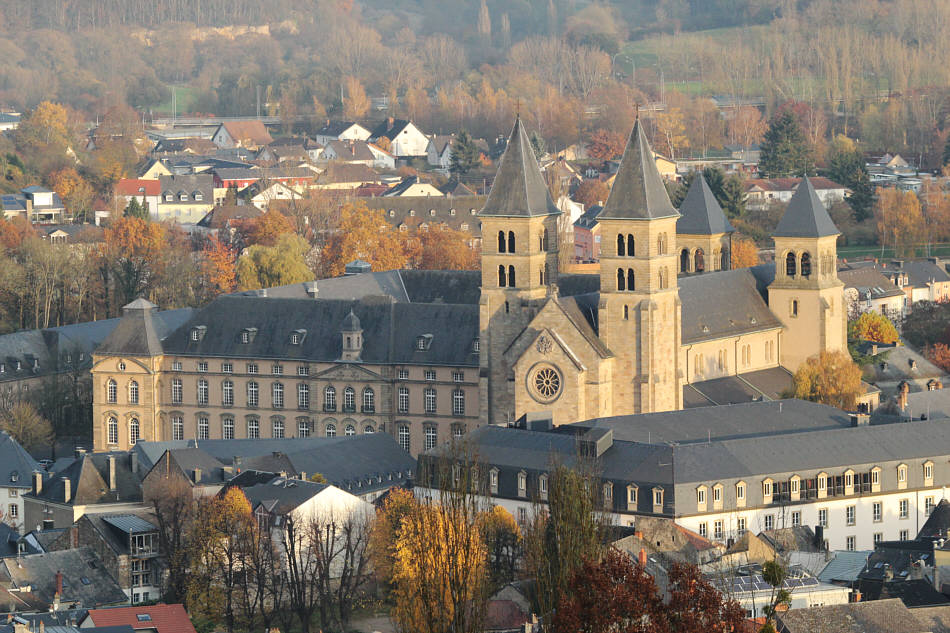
162	618
138	187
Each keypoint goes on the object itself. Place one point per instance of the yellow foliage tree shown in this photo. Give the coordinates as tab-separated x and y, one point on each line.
278	265
356	104
899	220
830	378
745	253
446	249
671	131
363	234
502	538
385	535
873	326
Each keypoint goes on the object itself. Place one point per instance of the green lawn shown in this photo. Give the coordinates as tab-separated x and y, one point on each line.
184	95
860	252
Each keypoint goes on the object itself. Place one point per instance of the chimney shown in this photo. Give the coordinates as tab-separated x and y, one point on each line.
859	419
48	524
196	475
37	482
74	536
79	452
311	287
111	460
67	490
902	390
642	558
59	583
390	122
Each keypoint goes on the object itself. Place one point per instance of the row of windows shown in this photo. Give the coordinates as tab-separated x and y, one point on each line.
697	262
278	428
722	358
626	245
626	280
304	370
506	241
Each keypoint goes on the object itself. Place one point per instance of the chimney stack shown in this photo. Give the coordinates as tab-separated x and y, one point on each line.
59	583
67	490
902	390
37	482
642	558
111	460
196	475
133	461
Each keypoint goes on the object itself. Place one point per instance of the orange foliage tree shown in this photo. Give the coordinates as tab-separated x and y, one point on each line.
218	265
131	256
830	378
939	355
265	229
363	234
14	231
605	145
591	192
446	249
899	220
873	326
745	253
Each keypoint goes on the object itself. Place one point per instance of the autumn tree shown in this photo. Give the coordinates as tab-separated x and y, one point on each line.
442	248
74	190
606	145
745	253
356	104
218	266
465	155
939	355
873	326
385	535
363	234
830	378
695	605
130	255
899	220
670	131
175	508
265	229
278	265
48	126
785	150
591	192
747	126
502	538
27	426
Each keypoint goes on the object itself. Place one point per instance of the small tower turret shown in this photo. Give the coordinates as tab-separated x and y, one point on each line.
352	334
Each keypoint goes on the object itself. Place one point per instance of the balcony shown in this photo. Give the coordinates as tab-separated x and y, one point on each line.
329	408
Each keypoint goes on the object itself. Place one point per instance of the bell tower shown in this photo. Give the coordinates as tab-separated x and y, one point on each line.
703	234
806	294
519	266
639	310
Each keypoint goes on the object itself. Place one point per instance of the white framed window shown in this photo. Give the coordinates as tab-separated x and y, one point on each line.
227	428
822	482
113	431
369	400
203	366
330	429
796	518
769	521
875	477
430	400
133	392
277	430
303	370
277	370
928	471
303	428
303	396
202	392
878	537
717	494
543	486
176	391
277	395
701	496
349	430
902	474
430	374
823	517
253	428
522	484
349	399
632	496
178	428
253	394
903	509
111	391
227	393
133	431
793	486
703	529
493	480
203	430
658	497
849	514
458	376
767	488
928	505
717	530
458	402
849	543
403	374
252	368
740	526
403	400
904	535
430	437
877	513
176	365
403	436
740	492
227	368
329	399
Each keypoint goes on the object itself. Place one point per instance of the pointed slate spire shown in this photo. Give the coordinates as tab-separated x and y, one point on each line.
135	334
519	189
638	192
700	213
805	215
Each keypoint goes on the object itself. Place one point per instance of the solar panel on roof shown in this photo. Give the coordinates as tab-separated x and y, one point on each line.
809	582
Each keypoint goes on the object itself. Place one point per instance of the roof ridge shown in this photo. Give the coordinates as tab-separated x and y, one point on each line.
638	192
806	215
519	189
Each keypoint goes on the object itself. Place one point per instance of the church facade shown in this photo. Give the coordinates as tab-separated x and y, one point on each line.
426	356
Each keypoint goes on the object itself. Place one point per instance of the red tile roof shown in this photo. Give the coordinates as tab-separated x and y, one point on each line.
132	187
164	618
248	130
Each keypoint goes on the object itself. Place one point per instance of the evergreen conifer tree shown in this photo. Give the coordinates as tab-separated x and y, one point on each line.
785	150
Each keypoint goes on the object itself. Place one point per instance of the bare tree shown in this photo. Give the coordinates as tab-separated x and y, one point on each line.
175	508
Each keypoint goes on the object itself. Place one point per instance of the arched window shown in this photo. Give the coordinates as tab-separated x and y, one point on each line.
621	248
133	392
630	249
659	244
329	399
227	428
699	261
511	276
621	280
684	260
790	267
303	427
349	430
502	278
626	313
202	392
806	265
545	244
511	241
501	241
133	431
631	280
368	429
331	430
113	431
794	307
369	400
178	428
112	391
349	399
724	260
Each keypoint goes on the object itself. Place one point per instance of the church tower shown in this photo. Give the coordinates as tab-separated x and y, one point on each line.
639	311
519	267
806	294
703	234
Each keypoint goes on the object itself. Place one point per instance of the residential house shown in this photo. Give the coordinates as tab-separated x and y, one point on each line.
345	176
69	233
412	213
291	149
146	190
9	121
406	140
50	581
186	145
154	169
411	187
155	618
262	193
439	150
341	131
223	216
879	616
754	466
761	192
359	153
90	483
365	465
128	546
186	198
924	279
587	235
243	177
247	133
36	204
867	289
16	470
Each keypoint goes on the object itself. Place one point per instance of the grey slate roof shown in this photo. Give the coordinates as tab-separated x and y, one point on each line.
390	330
844	567
869	281
937	525
879	616
805	215
135	334
39	571
190	184
88	477
278	495
519	189
762	384
335	128
638	192
16	465
724	303
700	213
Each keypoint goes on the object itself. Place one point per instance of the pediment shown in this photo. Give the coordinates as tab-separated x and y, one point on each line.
348	371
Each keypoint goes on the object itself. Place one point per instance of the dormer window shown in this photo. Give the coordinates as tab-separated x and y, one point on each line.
141	189
423	342
19	365
431	213
412	213
248	334
198	196
198	332
297	336
476	345
169	196
183	197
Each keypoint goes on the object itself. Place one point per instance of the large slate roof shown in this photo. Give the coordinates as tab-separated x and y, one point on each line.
277	494
724	303
39	572
16	465
390	330
136	333
519	189
638	192
700	213
805	215
88	476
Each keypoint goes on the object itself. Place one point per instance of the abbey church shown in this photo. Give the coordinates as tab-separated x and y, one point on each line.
430	355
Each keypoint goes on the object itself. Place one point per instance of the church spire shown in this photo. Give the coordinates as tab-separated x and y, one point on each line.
638	192
700	211
519	189
805	215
